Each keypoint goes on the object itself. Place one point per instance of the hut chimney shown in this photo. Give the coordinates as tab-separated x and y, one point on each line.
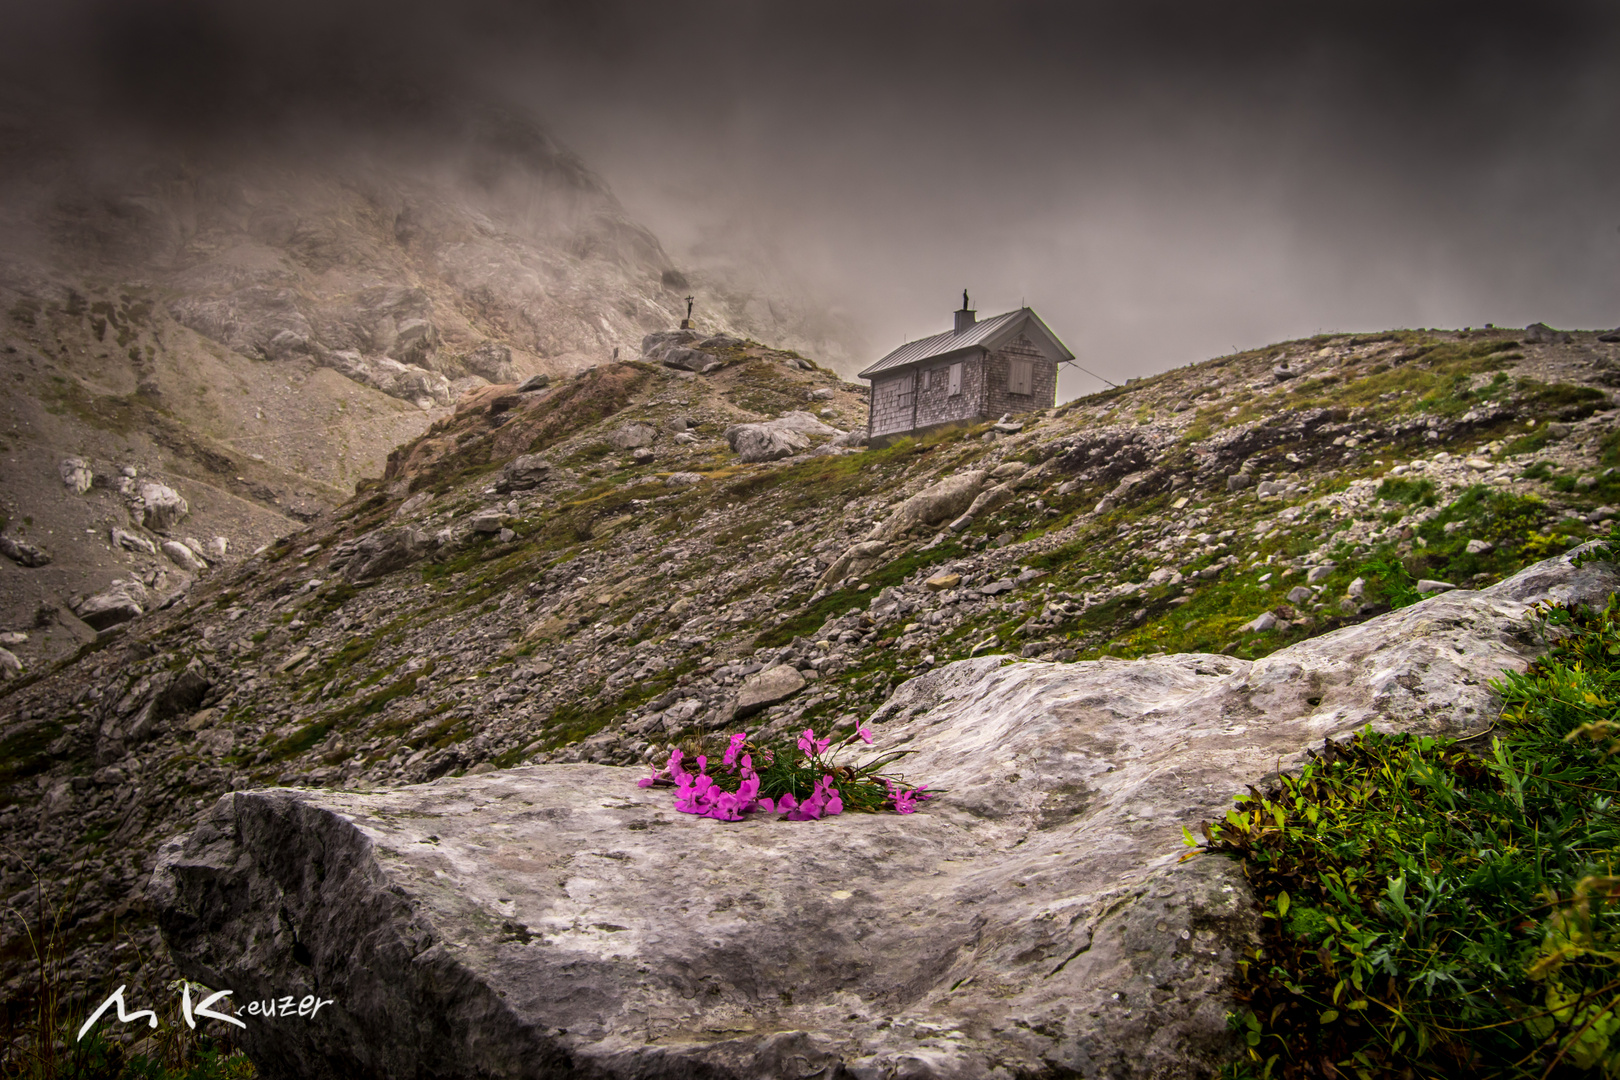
965	317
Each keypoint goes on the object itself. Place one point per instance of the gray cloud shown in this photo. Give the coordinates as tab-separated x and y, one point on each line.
1162	181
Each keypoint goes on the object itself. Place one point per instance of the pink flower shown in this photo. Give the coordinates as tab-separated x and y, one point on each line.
735	748
812	745
865	735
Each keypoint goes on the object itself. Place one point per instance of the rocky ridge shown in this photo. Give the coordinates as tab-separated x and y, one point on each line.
259	329
537	579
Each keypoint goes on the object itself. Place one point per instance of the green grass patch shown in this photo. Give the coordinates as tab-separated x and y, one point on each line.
1411	492
1434	912
811	618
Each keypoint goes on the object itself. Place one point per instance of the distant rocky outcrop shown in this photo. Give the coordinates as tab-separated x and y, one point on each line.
771	440
22	552
1033	921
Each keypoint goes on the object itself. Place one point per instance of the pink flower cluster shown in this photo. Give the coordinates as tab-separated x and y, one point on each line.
698	793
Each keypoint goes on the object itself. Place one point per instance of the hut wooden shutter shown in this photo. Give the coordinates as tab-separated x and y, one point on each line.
904	390
1019	376
956	379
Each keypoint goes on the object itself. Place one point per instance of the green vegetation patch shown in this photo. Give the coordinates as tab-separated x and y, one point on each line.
1436	912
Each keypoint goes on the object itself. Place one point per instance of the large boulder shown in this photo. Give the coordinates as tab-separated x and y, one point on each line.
78	476
161	507
131	542
523	472
1032	921
631	435
857	561
23	553
491	361
126	600
767	688
933	505
689	360
771	440
383	552
183	557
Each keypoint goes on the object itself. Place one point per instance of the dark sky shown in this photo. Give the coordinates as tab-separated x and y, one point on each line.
1162	181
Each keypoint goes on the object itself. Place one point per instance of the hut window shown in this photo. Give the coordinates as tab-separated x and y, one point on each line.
1020	373
956	380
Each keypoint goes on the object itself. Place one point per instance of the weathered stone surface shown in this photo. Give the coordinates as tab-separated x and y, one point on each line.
689	360
77	474
9	664
162	507
23	553
856	561
933	505
524	472
1539	333
184	557
1320	573
771	440
384	551
533	383
131	542
1261	623
487	522
121	603
766	688
407	381
490	360
630	436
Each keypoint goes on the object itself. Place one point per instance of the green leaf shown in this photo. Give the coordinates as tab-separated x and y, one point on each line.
1282	903
1329	1016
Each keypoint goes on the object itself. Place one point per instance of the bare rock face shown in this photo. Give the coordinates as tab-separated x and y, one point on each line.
1032	921
23	553
766	688
382	552
118	604
631	436
492	361
771	440
161	507
524	472
933	505
77	475
131	542
183	557
406	381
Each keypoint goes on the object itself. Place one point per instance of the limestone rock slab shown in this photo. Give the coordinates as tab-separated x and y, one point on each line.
161	507
771	440
1031	922
768	687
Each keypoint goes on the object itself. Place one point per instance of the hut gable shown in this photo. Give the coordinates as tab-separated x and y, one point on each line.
976	371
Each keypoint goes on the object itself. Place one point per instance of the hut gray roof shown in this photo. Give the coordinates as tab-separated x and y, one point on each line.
988	335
